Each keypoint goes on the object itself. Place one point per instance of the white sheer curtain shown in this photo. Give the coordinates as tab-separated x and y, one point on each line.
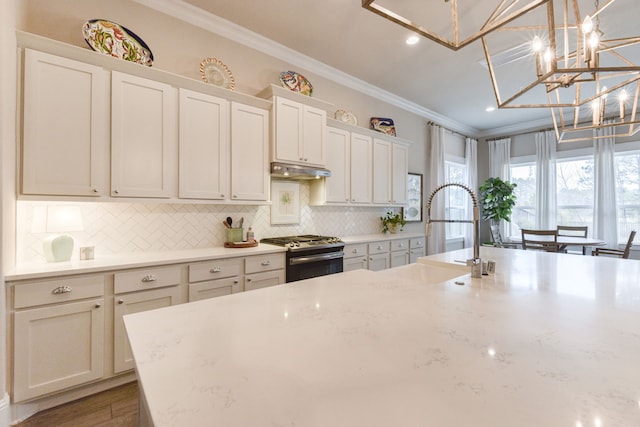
436	239
471	163
499	161
605	220
546	201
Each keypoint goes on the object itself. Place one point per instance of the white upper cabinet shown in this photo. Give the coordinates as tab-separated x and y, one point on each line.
143	137
66	126
400	170
299	133
382	152
338	185
204	146
361	165
249	153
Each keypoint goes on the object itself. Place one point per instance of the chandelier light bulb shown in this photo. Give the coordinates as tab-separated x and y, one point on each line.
536	44
594	40
604	92
548	56
587	25
623	96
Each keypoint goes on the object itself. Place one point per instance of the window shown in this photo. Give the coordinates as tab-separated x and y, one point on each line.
627	167
456	199
524	212
574	186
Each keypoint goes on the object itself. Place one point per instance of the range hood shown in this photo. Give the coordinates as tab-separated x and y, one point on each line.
290	171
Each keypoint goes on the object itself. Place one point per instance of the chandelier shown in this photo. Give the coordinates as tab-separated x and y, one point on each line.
469	19
570	64
569	56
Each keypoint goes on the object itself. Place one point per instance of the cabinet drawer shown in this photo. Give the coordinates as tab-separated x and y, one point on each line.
263	280
416	243
59	290
256	264
217	269
148	278
400	245
378	248
355	250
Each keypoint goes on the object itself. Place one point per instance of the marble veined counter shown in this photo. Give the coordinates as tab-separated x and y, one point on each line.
548	340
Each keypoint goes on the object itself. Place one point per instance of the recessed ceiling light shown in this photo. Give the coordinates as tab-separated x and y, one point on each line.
489	109
411	40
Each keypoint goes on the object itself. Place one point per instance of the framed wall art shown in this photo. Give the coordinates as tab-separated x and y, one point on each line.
285	202
413	210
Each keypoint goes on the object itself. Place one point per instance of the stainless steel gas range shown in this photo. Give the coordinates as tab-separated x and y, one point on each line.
310	255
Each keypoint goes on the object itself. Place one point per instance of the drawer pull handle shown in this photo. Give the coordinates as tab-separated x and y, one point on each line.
355	251
379	247
215	270
149	278
265	263
62	290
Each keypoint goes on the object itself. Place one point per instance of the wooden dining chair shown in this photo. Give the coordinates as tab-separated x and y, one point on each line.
620	253
573	231
541	240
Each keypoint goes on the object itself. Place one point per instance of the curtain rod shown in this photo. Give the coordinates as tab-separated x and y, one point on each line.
453	132
518	134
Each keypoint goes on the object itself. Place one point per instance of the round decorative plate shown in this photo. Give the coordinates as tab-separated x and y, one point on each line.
115	40
296	82
346	116
215	72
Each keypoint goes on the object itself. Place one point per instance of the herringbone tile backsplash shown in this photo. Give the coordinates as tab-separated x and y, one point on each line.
119	227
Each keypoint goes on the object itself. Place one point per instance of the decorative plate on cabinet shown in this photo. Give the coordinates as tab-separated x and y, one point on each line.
383	125
296	82
115	40
346	116
215	72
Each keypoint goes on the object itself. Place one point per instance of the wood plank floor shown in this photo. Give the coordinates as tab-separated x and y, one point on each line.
117	407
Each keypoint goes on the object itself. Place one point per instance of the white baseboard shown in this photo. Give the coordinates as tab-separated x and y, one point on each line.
5	411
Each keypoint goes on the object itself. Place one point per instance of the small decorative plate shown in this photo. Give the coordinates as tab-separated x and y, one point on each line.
296	82
383	125
346	116
217	73
115	40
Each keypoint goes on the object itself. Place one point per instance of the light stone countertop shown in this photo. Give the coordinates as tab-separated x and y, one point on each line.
548	340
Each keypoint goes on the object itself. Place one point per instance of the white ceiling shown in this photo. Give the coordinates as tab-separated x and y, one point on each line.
343	35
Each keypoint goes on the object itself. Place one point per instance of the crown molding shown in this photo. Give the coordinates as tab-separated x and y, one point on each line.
227	29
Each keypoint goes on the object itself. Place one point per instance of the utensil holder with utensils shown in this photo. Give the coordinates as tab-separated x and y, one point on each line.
235	234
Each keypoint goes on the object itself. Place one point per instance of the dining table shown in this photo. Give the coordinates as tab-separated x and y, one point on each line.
565	241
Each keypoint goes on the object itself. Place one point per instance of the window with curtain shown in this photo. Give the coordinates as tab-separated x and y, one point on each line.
524	211
627	169
574	183
455	198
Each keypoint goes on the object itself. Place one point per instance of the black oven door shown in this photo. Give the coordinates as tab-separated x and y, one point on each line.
315	263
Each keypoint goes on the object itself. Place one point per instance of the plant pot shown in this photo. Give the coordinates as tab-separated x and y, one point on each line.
393	228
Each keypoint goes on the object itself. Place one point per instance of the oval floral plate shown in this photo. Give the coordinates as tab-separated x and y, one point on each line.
346	116
215	72
296	82
115	40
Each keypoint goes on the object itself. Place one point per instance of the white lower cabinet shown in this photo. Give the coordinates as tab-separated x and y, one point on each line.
378	256
210	279
262	271
399	252
355	257
416	249
58	334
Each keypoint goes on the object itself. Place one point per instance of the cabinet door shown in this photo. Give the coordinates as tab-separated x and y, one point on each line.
399	258
143	137
249	153
204	146
399	174
57	347
339	163
313	136
287	144
378	262
414	254
381	171
361	153
355	263
263	280
214	288
135	303
66	126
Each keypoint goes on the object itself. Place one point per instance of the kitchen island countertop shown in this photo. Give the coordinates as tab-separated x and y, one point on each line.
548	340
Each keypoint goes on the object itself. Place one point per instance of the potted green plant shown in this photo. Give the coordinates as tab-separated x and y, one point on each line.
497	199
391	221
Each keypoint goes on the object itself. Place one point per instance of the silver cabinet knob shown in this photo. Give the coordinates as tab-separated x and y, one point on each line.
115	192
235	282
95	190
120	301
248	279
98	305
